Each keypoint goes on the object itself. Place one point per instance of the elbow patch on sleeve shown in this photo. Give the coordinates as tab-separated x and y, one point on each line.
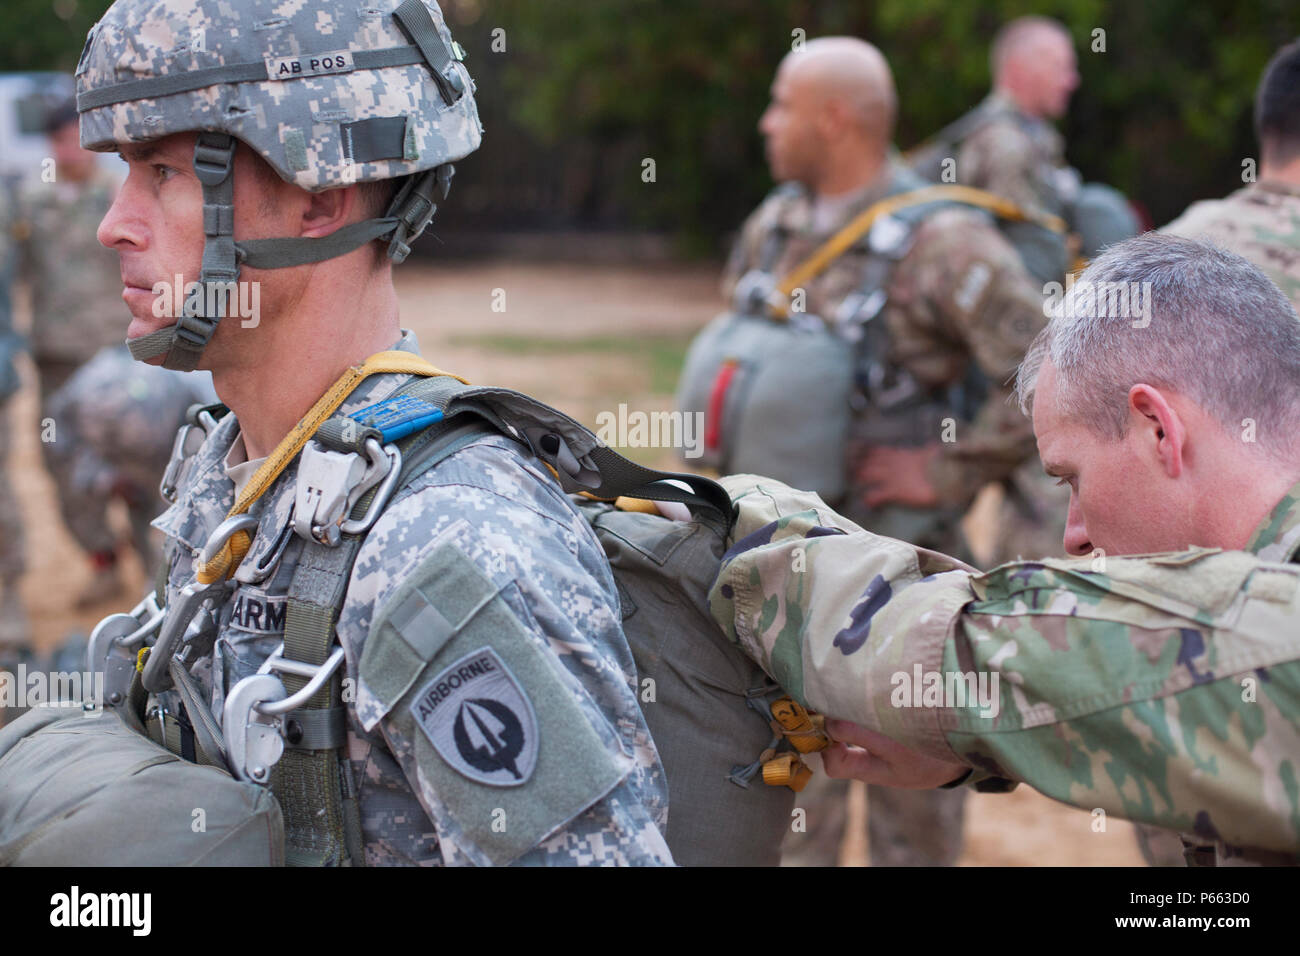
494	726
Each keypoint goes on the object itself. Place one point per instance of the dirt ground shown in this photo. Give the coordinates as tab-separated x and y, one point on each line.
460	312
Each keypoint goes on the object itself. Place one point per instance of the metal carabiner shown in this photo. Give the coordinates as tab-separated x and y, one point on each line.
318	675
111	650
385	491
253	738
187	605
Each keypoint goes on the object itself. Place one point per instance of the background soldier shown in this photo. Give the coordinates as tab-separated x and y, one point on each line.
117	420
1012	148
1262	220
13	618
76	297
478	560
1096	661
1008	145
958	300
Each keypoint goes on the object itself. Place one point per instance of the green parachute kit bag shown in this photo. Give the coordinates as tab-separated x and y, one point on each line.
86	789
705	702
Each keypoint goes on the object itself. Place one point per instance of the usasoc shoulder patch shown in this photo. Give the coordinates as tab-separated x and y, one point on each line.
480	720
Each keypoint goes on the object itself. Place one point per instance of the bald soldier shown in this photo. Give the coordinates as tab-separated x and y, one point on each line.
940	301
1163	688
1014	150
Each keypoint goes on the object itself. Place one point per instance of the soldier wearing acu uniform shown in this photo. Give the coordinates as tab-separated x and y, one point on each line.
480	706
118	418
956	300
1161	688
76	299
13	618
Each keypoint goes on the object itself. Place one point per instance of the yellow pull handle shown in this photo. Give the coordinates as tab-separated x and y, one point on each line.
805	731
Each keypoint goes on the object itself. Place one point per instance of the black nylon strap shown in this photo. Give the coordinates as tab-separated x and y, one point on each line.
619	476
376	138
623	477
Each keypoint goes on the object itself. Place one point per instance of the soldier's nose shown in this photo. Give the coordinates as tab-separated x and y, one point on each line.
1076	539
119	224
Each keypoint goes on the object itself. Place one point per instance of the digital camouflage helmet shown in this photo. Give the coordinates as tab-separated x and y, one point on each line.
328	94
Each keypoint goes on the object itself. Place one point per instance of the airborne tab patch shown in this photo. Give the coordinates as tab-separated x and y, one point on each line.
480	721
310	64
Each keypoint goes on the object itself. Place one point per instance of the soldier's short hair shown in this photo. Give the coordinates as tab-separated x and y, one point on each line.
1277	106
1197	319
1012	34
60	116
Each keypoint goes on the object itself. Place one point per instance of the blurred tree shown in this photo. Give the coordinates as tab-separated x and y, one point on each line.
46	34
1163	111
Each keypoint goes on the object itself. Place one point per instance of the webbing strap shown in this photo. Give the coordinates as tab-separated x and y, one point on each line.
297	251
860	224
208	739
227	560
149	346
416	21
313	784
183	342
155	87
618	476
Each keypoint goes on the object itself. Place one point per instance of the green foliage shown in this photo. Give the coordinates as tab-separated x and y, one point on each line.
685	83
46	34
586	90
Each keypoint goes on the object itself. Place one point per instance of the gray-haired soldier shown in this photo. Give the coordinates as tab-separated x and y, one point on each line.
476	696
1160	687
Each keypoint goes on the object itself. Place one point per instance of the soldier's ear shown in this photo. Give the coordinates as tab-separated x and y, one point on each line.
328	211
1160	427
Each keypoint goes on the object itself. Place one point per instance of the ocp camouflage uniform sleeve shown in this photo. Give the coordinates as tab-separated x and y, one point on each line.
1004	159
497	562
1162	689
963	294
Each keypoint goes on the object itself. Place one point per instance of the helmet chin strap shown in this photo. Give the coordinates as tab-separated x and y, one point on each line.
182	343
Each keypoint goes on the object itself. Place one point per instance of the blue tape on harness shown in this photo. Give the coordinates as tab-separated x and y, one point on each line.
398	416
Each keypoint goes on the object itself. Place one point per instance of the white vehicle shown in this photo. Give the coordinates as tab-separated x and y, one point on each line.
25	101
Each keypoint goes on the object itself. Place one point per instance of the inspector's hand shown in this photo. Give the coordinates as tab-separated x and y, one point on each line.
865	755
898	476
